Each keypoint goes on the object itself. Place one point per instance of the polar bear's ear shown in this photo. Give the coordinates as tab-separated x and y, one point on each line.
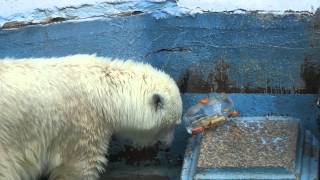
157	101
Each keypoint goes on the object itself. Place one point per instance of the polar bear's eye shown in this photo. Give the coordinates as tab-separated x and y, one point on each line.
157	101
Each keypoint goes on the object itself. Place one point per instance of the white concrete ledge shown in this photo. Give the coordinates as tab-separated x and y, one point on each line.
40	12
18	13
275	6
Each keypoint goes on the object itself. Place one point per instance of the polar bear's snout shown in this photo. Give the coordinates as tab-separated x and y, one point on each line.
166	136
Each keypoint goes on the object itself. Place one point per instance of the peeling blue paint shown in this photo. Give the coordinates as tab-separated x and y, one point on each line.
90	11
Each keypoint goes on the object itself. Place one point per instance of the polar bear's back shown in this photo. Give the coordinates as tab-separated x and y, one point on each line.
41	83
34	91
41	80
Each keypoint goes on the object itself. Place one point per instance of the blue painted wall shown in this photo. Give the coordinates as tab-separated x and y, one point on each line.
260	53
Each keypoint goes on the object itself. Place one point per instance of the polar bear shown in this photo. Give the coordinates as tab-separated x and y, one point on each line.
58	114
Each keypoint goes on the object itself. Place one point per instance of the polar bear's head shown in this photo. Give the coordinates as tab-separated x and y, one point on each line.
148	104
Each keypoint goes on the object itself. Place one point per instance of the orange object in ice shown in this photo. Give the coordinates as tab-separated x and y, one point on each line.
209	112
234	113
197	130
204	101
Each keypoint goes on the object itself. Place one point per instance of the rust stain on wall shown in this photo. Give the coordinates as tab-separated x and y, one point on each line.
310	73
191	81
218	80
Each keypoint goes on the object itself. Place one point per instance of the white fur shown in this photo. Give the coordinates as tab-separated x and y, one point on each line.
57	115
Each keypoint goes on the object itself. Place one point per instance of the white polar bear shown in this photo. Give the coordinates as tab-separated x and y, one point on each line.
57	115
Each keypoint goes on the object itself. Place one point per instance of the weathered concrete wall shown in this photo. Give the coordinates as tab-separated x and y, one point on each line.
238	53
208	52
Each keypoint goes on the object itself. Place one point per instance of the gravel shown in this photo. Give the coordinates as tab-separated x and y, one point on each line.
245	144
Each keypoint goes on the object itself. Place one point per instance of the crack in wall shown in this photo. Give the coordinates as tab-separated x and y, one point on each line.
174	49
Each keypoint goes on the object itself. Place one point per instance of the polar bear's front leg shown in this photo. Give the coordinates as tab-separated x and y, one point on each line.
13	166
73	171
80	159
80	168
7	171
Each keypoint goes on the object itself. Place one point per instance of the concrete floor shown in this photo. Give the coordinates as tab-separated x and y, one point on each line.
120	171
145	177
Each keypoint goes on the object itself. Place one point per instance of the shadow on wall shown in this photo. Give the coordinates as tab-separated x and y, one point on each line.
310	73
217	81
